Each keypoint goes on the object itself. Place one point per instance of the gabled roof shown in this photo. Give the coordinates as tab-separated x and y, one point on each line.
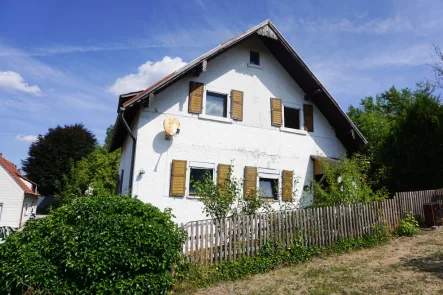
17	176
345	129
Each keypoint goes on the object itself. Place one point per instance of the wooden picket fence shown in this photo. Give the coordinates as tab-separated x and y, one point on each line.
212	241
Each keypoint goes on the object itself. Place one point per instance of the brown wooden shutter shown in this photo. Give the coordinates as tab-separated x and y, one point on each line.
287	182
250	180
178	178
276	112
195	97
237	105
308	113
223	173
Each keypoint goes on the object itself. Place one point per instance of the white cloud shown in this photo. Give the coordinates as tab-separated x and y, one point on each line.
26	138
147	74
13	81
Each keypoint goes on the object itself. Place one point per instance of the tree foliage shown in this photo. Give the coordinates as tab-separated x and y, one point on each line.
224	199
93	175
53	154
403	129
94	245
346	183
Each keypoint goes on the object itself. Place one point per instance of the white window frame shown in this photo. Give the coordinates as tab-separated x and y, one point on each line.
197	165
296	106
269	173
221	91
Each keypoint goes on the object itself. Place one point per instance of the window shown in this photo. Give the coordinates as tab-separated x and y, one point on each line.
254	58
291	118
198	174
269	187
216	104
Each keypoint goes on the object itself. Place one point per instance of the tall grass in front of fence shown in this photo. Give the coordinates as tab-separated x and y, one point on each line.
272	255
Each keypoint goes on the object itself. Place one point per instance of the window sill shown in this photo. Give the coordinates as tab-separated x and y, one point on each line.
296	131
191	197
214	118
255	66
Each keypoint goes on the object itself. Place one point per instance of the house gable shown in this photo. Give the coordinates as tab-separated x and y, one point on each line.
286	56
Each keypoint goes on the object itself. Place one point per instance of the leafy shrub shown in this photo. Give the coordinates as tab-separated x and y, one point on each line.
408	226
94	245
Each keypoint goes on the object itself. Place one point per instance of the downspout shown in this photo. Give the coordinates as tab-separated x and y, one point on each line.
134	143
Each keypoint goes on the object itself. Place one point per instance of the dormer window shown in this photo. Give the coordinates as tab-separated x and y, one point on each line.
254	58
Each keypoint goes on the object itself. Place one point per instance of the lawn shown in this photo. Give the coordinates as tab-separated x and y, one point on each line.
404	266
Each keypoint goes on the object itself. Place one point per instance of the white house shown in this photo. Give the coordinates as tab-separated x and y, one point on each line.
251	103
18	195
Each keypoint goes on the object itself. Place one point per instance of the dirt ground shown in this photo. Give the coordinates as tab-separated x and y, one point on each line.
405	266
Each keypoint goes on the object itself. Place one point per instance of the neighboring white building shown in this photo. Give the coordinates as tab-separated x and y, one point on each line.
251	103
18	196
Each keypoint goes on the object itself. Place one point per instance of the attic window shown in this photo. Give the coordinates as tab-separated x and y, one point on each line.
254	58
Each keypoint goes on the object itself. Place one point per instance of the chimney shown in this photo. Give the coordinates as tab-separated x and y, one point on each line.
1	154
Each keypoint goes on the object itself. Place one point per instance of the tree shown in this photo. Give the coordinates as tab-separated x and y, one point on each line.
95	245
376	119
53	154
414	150
437	66
93	175
345	183
403	129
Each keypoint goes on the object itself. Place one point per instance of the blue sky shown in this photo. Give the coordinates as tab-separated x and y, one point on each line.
63	62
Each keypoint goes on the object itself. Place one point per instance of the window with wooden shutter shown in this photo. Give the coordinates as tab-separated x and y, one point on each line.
195	97
250	180
237	105
287	182
308	113
178	178
276	112
223	173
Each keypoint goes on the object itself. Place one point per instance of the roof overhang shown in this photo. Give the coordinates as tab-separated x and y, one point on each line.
345	129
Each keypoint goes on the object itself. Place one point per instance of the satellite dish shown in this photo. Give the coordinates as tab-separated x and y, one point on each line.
171	126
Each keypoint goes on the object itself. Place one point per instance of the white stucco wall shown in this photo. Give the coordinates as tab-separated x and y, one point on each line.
11	196
29	206
252	142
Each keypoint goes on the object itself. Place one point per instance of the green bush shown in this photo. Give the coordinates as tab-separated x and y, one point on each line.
94	245
408	226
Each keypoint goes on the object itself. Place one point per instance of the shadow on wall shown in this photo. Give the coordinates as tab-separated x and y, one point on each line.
161	145
432	264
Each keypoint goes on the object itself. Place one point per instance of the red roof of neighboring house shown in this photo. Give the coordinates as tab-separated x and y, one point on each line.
17	176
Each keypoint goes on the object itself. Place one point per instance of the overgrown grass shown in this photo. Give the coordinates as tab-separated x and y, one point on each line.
190	277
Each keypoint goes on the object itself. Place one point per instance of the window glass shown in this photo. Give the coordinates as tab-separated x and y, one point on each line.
268	188
198	174
292	118
216	104
254	58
